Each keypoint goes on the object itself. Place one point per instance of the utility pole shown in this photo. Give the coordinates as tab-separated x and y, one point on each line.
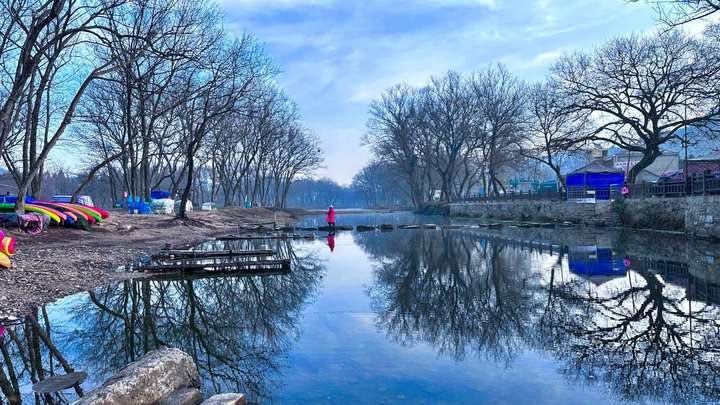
685	145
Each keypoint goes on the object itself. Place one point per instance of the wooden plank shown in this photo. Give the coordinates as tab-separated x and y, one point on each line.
212	253
335	228
234	266
207	274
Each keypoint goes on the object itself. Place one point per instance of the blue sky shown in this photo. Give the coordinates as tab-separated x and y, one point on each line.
337	56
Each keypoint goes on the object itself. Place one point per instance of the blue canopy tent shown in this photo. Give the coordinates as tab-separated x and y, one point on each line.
598	176
595	263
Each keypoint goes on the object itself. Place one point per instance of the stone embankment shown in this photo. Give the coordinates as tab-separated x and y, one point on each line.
161	377
697	216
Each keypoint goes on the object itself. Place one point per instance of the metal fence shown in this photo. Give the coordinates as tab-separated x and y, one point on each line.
701	184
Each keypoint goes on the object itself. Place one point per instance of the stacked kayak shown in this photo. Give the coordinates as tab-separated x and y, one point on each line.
70	214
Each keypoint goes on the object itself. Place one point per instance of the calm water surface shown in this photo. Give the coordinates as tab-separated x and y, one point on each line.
514	315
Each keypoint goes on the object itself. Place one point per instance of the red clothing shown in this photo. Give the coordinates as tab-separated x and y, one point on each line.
331	215
331	242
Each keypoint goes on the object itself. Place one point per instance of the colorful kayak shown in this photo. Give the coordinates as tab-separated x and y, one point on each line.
68	210
102	212
8	246
55	216
57	213
87	210
5	261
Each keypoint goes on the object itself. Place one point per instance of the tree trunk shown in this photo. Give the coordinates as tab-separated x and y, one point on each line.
188	184
647	159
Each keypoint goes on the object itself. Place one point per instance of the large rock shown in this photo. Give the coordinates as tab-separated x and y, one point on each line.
225	399
183	396
148	380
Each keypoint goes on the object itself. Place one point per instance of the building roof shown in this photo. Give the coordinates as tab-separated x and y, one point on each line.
621	153
711	157
598	166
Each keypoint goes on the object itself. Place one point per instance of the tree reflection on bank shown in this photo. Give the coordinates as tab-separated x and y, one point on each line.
238	329
636	332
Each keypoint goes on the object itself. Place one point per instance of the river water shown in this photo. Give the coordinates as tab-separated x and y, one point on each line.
472	315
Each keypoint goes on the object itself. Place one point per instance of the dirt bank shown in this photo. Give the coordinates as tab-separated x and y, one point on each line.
65	261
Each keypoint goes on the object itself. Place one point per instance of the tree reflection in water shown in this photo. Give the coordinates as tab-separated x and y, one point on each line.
642	337
29	355
452	291
461	292
238	329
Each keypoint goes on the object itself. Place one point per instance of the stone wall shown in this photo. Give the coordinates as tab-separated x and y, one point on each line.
551	211
653	213
702	216
697	216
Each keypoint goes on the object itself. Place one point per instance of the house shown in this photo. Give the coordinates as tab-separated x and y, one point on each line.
626	160
705	164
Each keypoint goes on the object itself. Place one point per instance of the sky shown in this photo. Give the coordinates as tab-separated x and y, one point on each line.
337	56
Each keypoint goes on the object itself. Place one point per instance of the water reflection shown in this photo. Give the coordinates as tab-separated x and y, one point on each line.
615	312
641	336
649	329
457	293
30	355
238	329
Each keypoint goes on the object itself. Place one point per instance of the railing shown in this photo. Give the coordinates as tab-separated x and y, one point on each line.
701	184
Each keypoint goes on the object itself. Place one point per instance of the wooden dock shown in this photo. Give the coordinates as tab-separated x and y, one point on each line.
211	274
199	254
240	266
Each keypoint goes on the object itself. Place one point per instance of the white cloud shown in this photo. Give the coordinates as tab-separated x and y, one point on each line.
441	3
339	55
273	4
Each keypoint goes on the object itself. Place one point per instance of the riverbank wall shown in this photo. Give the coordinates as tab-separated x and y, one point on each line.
697	216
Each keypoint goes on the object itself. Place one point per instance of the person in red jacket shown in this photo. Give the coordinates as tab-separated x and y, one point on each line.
331	216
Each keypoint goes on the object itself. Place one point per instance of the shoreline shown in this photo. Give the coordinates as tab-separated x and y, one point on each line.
64	261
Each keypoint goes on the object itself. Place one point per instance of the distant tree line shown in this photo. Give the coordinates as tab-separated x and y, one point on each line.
373	187
149	94
464	134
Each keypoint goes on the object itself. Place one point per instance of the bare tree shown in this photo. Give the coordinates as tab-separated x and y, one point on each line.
500	99
678	12
640	91
395	136
218	86
551	130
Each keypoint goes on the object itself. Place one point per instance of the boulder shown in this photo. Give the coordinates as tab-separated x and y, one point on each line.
183	396
225	399
147	381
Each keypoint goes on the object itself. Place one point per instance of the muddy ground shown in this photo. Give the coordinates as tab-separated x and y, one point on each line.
64	261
